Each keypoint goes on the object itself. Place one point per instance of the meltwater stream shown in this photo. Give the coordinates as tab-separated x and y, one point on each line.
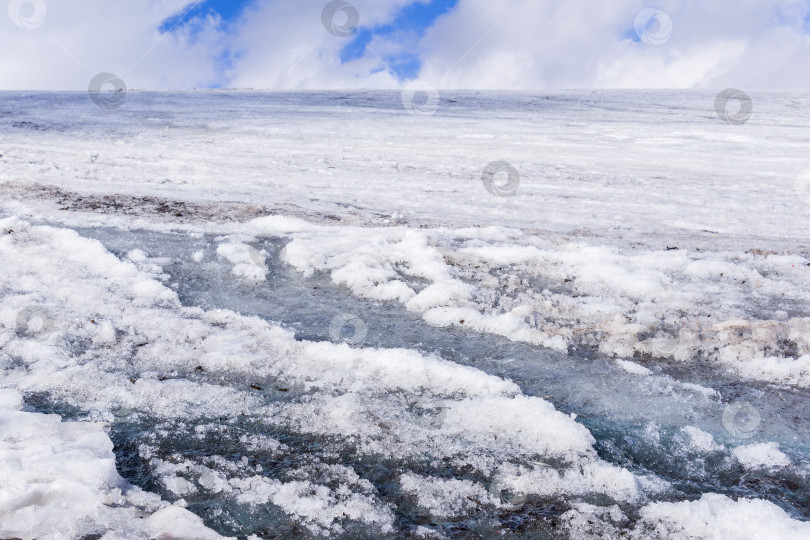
619	408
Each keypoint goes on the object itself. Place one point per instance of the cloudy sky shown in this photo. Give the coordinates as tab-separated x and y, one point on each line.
498	44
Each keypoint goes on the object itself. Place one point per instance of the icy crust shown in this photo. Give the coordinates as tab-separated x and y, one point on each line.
743	310
336	496
712	517
58	480
587	158
690	449
446	498
116	339
511	485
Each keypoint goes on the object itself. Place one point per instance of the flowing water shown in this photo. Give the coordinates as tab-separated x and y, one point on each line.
618	408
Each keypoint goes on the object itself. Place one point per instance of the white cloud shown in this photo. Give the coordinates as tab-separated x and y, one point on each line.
696	67
574	43
284	45
513	44
81	38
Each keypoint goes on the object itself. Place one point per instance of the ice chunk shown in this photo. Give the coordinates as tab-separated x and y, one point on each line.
248	262
760	456
700	440
444	498
632	367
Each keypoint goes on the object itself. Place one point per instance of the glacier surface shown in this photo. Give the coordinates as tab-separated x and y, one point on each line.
304	314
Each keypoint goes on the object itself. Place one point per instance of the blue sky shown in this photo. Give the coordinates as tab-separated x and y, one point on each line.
229	10
414	18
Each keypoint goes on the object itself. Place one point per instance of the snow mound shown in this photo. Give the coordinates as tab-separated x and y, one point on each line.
760	456
717	517
59	481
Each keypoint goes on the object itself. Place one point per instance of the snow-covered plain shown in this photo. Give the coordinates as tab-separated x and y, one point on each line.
621	346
